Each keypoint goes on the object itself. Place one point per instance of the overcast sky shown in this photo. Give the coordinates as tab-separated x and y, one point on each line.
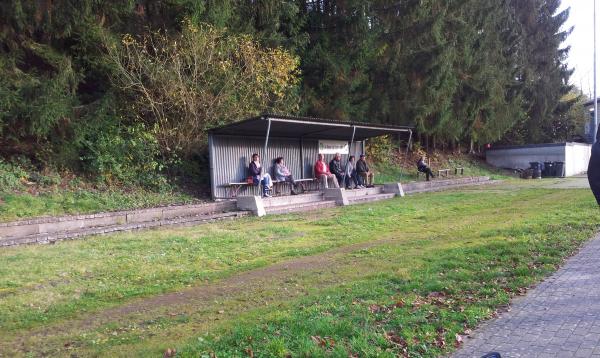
581	42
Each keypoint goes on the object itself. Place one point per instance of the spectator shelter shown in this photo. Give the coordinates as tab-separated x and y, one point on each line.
297	139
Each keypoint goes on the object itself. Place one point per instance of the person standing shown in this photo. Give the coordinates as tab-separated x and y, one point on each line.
256	172
594	171
323	174
423	168
365	176
335	167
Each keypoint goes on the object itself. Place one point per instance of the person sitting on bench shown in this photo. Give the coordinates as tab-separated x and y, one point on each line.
282	173
351	173
423	168
255	171
364	175
335	167
323	174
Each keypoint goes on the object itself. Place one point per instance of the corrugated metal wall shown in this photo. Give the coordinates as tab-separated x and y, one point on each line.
230	156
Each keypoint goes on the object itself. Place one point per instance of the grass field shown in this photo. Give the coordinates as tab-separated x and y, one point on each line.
399	277
15	206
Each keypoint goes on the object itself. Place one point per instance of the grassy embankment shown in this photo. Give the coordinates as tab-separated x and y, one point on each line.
27	193
406	170
422	269
53	195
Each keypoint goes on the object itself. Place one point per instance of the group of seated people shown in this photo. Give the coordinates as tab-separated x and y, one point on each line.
357	173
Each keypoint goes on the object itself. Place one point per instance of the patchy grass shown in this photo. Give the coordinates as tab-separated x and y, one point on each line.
15	206
407	171
427	267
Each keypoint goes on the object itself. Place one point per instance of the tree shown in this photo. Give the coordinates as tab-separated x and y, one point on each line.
185	83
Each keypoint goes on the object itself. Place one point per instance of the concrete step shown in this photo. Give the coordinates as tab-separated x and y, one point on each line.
369	198
49	238
362	192
285	209
292	199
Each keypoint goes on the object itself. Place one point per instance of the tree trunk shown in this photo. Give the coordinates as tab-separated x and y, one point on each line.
471	147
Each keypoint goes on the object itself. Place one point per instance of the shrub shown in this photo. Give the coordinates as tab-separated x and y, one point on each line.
183	84
11	176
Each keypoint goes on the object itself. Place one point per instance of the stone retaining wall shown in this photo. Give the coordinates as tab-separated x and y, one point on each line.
51	229
424	186
53	225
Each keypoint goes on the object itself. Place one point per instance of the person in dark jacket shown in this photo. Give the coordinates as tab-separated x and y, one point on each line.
335	167
256	172
423	168
365	176
594	171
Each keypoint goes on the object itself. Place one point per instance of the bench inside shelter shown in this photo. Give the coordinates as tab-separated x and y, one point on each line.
297	139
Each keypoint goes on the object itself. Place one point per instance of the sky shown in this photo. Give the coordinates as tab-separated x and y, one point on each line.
581	57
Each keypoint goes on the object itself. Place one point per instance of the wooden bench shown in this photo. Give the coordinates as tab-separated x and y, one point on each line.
234	187
445	172
300	182
459	169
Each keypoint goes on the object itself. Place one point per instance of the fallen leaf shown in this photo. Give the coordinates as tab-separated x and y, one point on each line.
319	341
170	352
250	352
436	294
394	338
458	341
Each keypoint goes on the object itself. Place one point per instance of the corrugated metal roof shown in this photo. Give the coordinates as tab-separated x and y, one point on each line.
307	127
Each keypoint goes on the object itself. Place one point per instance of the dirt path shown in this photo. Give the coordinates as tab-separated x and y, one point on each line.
186	301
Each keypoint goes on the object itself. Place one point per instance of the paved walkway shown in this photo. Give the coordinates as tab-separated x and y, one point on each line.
559	318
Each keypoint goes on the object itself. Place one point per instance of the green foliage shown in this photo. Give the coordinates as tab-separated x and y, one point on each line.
11	176
74	200
380	148
200	78
462	72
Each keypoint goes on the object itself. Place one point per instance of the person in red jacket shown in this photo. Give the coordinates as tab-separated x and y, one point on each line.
323	174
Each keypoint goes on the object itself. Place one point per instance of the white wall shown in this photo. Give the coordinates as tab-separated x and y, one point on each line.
519	157
577	158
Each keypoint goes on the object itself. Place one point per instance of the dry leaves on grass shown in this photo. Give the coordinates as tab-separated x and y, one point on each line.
398	341
459	340
170	352
323	342
374	308
250	352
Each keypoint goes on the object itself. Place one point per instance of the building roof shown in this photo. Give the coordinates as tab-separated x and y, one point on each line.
306	127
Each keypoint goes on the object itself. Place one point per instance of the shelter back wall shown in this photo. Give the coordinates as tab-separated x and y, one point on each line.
230	156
